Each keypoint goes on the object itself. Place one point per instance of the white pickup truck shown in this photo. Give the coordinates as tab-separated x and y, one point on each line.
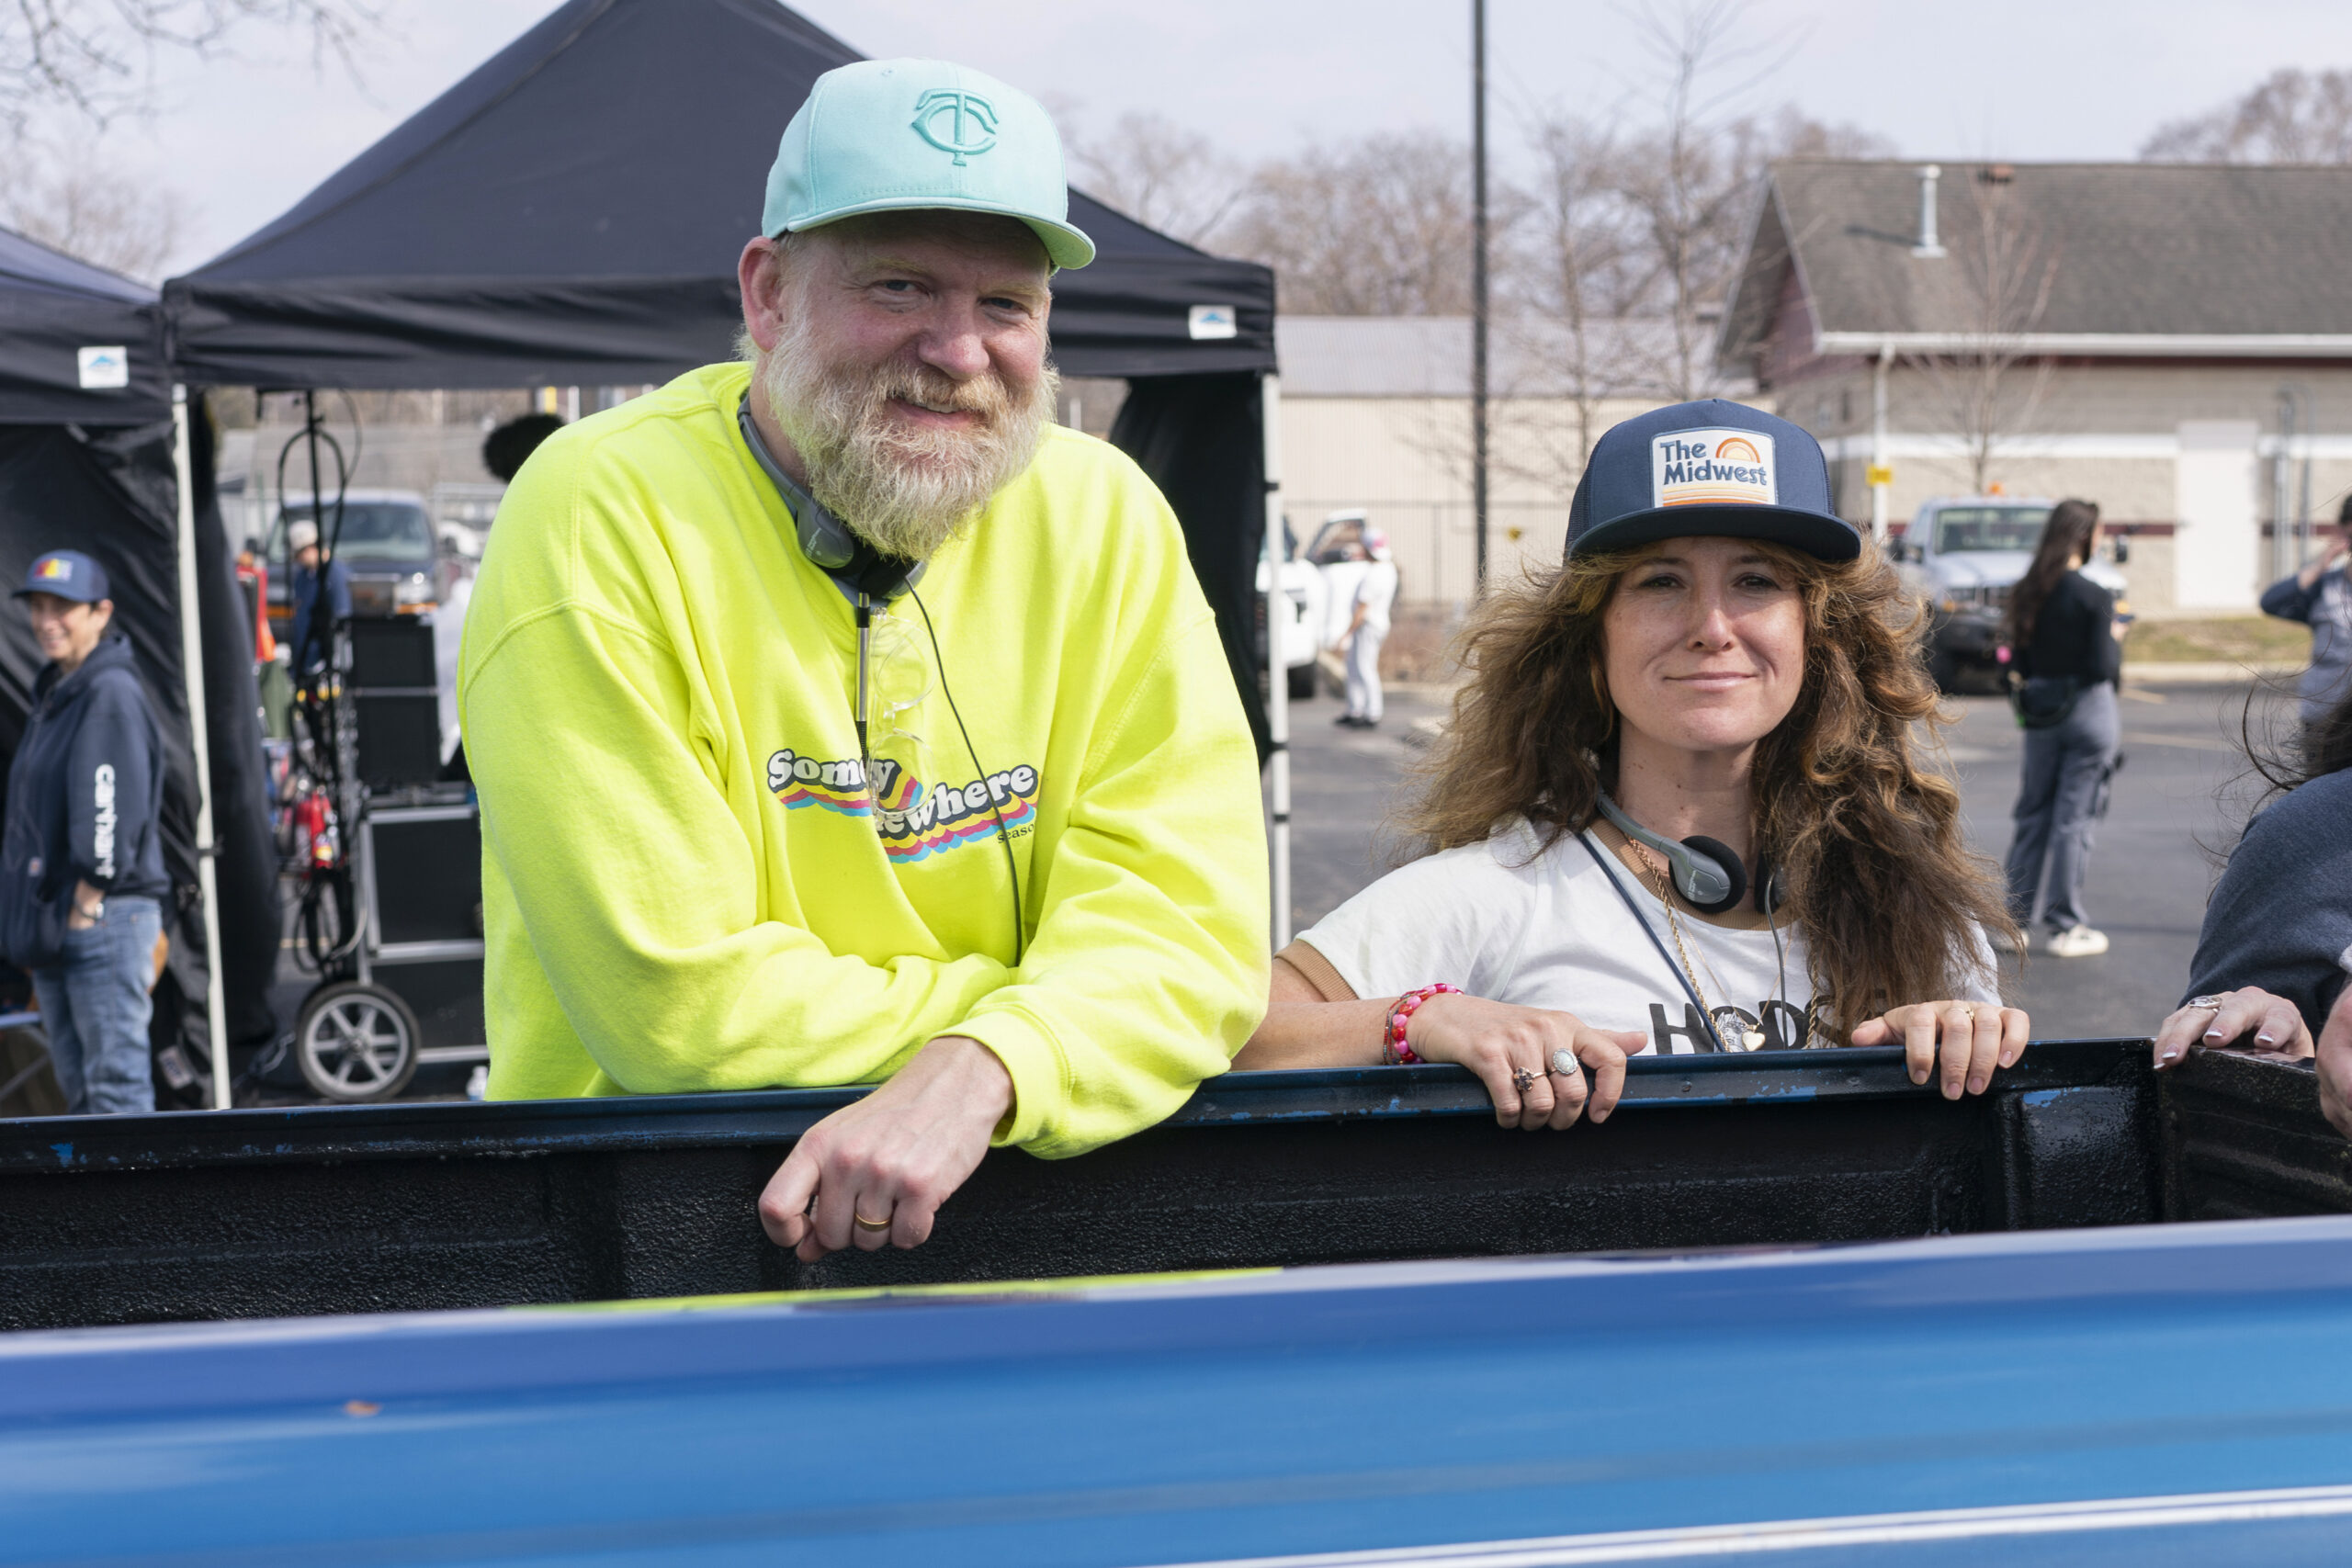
1965	553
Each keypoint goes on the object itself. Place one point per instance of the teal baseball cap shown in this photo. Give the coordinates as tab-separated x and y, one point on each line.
914	135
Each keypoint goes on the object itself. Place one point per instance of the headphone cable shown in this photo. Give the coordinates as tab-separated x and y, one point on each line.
1004	836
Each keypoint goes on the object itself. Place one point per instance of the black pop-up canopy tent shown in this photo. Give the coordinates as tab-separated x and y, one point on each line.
571	212
87	463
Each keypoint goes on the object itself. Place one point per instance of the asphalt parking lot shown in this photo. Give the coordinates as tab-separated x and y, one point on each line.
2179	802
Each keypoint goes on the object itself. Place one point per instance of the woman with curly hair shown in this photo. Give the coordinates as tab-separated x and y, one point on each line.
1679	808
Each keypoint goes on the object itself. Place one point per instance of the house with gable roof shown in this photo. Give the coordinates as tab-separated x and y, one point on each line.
2171	341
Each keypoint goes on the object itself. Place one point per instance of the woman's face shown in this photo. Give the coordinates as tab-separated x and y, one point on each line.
1702	643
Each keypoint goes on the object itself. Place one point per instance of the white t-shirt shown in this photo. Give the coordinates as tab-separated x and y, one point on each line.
1546	928
1341	579
1376	593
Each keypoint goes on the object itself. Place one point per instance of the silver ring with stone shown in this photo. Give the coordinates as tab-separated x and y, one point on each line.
1563	1061
2211	1002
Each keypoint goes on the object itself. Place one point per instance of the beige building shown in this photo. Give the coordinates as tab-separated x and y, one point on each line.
2173	342
1375	415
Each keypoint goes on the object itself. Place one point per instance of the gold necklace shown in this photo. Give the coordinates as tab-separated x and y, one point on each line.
1750	1038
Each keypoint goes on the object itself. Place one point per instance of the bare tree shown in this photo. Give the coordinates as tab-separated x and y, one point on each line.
2295	117
94	56
1685	180
72	201
1580	266
1381	227
1691	177
1988	386
1158	173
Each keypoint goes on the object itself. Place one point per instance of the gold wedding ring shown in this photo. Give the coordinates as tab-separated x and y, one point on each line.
865	1225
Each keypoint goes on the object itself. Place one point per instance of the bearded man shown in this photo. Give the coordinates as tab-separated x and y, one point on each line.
839	719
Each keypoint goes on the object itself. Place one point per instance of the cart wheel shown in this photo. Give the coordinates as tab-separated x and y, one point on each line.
356	1042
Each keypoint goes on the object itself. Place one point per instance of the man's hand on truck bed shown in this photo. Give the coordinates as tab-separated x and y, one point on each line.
876	1171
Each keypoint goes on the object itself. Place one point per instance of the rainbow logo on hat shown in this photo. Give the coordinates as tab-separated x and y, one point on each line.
1712	468
54	568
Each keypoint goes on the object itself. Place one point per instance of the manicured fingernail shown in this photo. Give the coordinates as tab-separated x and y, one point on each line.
2213	1037
2264	1039
2170	1051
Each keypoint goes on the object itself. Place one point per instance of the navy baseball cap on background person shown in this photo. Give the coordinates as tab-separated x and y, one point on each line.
1709	467
68	574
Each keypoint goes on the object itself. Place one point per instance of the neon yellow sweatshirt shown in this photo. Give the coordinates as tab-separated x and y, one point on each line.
686	885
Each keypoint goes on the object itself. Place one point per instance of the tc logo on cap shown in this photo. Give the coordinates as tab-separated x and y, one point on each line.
970	120
1712	468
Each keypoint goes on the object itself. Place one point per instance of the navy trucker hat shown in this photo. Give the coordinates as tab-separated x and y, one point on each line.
1713	467
68	574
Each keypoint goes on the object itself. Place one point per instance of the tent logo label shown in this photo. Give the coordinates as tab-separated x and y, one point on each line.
1211	322
969	117
104	369
1712	468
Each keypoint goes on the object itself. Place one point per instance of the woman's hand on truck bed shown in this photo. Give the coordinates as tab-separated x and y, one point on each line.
2249	1018
1514	1051
892	1158
1970	1038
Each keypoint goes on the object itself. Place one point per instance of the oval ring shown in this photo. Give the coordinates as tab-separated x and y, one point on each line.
1563	1061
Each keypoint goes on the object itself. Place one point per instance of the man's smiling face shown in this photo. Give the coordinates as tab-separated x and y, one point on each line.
904	358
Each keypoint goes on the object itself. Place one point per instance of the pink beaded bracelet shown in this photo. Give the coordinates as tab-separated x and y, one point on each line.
1398	1053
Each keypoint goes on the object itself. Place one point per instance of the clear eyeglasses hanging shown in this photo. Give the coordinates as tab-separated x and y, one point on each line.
899	761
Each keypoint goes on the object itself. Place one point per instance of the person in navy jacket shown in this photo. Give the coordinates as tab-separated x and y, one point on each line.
81	874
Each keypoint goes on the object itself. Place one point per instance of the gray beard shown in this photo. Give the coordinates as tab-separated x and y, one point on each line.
905	492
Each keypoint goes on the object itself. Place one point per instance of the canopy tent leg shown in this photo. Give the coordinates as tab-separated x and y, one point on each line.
1270	404
216	1010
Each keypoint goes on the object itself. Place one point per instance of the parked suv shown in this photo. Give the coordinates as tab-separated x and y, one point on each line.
386	544
1965	553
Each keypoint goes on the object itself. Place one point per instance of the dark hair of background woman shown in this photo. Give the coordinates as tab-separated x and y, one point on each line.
2072	530
2323	747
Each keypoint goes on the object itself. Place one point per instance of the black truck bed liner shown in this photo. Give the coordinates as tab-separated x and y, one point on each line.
246	1214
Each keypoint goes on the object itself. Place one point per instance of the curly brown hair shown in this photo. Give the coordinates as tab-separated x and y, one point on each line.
1868	843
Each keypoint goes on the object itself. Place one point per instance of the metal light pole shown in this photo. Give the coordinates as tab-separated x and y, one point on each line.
1478	281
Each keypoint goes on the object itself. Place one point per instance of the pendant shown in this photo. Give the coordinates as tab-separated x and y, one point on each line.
1753	1039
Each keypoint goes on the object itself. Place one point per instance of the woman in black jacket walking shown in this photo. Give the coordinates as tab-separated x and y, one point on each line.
2067	657
82	859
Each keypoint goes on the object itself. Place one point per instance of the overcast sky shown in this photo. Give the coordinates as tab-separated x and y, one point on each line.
241	140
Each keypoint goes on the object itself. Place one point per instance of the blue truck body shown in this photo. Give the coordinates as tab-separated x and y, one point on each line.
1356	1350
2142	1394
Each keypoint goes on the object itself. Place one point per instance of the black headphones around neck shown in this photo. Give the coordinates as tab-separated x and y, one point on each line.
825	540
1706	872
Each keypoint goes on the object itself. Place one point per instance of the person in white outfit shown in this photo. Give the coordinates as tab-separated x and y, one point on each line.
1367	627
